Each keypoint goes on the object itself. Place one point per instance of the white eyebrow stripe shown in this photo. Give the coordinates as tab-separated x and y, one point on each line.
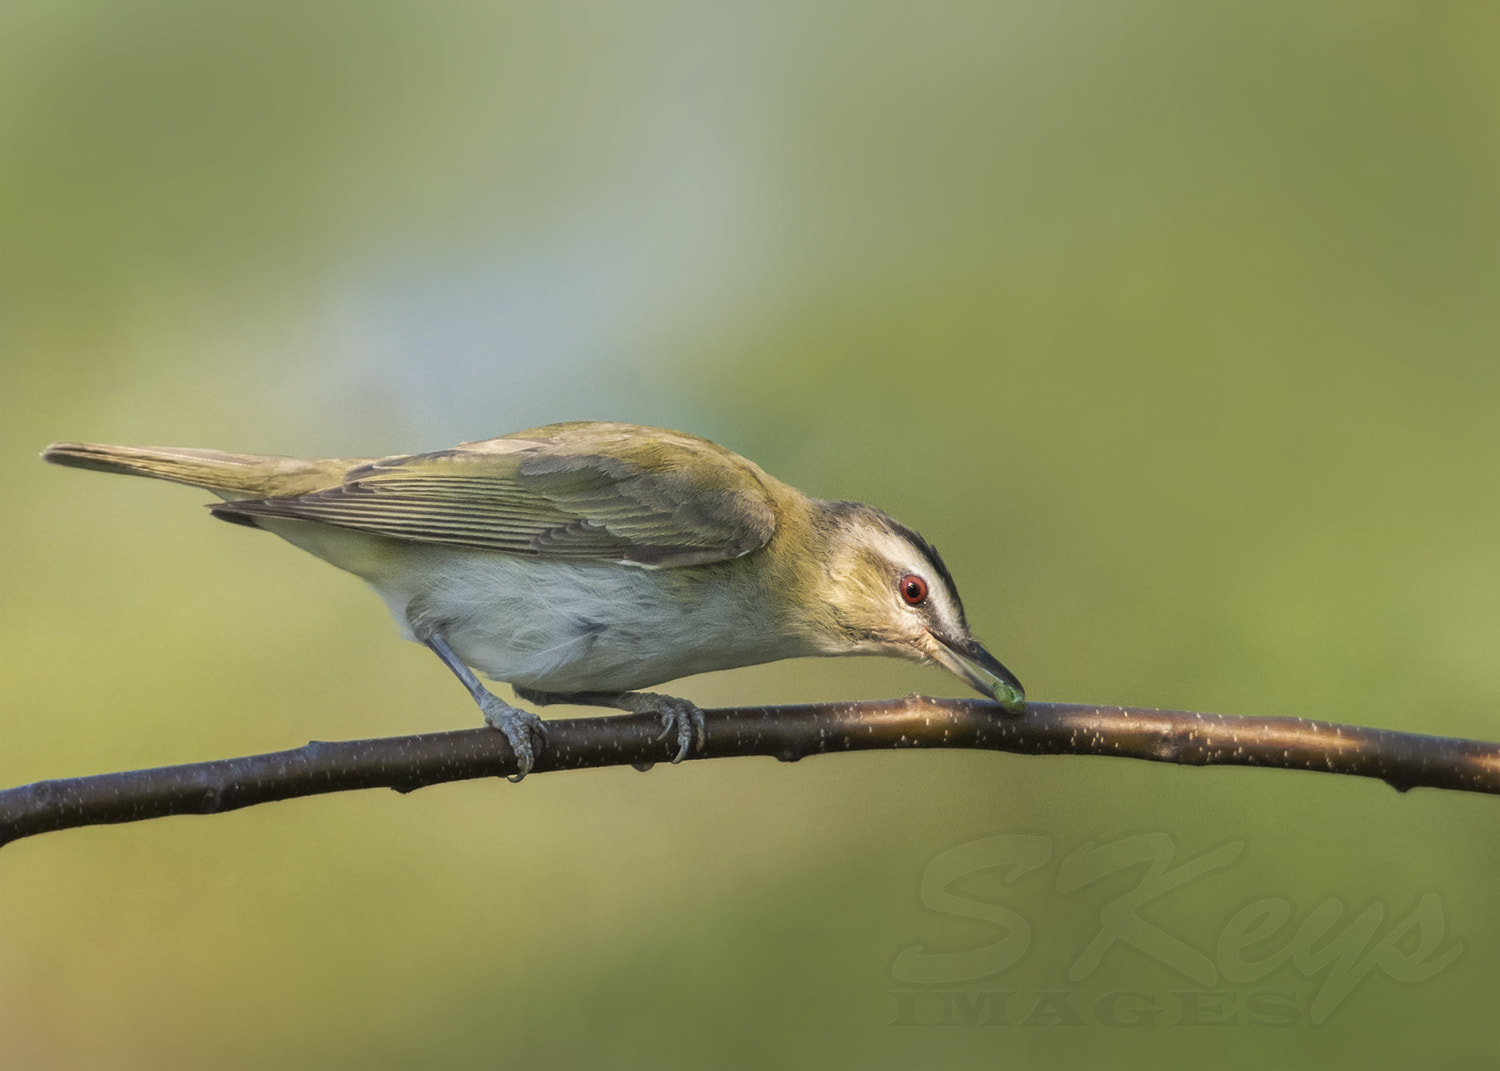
906	558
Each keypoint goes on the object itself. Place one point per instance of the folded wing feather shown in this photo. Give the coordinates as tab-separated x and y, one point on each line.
687	503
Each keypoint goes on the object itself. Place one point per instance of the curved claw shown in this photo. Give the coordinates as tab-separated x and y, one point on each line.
677	715
687	720
525	731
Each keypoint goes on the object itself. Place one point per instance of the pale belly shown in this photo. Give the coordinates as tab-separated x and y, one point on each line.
561	626
567	627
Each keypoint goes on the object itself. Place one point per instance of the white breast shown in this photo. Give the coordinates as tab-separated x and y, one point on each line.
562	626
565	626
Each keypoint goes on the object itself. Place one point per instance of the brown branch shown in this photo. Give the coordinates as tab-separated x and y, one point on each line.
1403	760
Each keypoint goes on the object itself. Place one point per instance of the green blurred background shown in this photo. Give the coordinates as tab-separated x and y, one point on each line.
1175	326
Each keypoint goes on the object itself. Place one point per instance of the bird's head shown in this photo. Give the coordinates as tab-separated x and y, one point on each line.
888	592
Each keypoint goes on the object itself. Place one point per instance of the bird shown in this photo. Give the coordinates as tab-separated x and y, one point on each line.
584	562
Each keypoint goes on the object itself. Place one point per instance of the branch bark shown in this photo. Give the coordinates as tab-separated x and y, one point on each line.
404	763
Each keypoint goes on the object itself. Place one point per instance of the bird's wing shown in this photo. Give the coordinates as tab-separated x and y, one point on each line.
577	491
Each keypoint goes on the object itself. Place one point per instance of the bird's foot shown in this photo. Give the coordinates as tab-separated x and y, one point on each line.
677	715
524	730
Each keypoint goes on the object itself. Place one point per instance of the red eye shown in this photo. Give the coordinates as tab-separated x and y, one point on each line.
913	589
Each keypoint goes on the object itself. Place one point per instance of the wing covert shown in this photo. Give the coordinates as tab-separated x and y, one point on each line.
606	496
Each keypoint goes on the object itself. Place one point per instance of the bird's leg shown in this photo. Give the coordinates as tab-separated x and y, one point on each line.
524	730
677	715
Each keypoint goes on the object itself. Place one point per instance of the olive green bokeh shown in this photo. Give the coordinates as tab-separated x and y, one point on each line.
1173	326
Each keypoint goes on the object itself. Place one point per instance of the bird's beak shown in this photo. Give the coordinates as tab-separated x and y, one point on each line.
973	663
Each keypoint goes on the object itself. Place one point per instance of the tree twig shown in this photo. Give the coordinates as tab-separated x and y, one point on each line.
1403	760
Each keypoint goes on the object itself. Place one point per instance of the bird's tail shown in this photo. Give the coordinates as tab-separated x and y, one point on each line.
230	476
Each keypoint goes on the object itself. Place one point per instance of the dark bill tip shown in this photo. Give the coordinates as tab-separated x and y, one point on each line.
973	663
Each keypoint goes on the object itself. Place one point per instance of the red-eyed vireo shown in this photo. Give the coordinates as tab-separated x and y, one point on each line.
579	562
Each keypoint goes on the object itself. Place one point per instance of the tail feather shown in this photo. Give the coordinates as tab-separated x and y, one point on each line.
230	476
